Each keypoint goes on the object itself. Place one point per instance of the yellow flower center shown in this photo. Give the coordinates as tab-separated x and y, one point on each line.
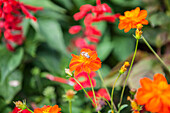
47	110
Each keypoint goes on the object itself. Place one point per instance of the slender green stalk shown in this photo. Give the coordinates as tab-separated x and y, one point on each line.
30	110
83	89
114	87
92	89
70	106
108	103
128	74
155	54
113	104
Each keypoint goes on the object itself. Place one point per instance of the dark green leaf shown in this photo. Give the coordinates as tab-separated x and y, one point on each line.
9	61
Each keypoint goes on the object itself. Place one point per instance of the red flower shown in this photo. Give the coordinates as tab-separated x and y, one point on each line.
100	94
93	14
84	80
11	17
75	29
17	110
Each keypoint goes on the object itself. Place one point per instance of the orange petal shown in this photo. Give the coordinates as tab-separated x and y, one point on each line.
154	105
146	83
159	78
142	96
142	14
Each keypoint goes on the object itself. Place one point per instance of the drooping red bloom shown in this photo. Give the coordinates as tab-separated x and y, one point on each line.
17	110
92	14
11	17
74	29
84	80
87	61
100	95
154	94
81	43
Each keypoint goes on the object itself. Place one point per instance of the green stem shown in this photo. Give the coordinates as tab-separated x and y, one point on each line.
155	54
70	106
113	104
128	74
107	103
114	87
83	89
92	89
30	110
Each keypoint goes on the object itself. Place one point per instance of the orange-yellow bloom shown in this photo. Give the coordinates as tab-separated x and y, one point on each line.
87	61
155	95
132	18
48	109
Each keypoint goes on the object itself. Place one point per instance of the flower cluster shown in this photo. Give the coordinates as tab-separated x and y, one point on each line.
91	14
10	18
154	94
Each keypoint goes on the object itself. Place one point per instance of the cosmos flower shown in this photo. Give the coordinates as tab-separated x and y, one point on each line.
87	61
132	18
48	109
154	94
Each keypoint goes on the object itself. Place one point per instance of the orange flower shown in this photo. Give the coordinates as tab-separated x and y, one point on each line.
132	19
48	109
87	61
155	95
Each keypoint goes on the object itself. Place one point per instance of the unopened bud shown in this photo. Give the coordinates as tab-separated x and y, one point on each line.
67	71
124	67
70	94
21	105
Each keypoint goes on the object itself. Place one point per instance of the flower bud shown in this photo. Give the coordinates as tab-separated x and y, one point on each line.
124	67
21	105
67	71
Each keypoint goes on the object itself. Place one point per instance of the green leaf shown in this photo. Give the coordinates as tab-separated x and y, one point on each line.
127	3
123	106
45	4
159	19
11	86
9	61
104	48
51	30
123	47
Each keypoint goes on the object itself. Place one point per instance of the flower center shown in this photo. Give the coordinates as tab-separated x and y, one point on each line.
85	54
82	79
47	110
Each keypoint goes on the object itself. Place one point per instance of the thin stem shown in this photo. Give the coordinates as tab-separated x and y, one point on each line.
83	90
70	106
155	54
113	104
114	87
128	74
92	89
30	110
108	103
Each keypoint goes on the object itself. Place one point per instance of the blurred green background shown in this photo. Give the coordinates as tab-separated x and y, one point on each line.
45	51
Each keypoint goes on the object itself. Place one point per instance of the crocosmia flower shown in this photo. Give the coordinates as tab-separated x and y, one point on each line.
84	80
87	61
48	109
132	18
154	94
